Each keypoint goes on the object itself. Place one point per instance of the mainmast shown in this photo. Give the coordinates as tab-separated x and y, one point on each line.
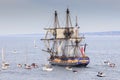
67	33
68	20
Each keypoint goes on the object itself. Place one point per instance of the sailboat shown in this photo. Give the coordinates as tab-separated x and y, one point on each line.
35	46
5	65
64	44
27	66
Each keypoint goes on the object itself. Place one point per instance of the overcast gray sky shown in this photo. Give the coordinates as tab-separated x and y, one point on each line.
31	16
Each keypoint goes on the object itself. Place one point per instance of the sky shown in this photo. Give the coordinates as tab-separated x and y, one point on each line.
32	16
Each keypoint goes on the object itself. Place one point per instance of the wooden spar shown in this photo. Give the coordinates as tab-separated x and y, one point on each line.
49	51
58	28
65	38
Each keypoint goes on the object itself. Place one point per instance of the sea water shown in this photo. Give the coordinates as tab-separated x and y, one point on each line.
99	49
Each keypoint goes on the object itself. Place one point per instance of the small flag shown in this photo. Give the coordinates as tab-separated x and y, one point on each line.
82	50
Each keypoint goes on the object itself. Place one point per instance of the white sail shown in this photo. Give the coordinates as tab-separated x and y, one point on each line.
5	65
75	32
51	31
60	48
60	33
35	46
27	66
71	52
3	57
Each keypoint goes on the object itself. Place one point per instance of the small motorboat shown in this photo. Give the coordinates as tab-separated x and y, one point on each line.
47	68
68	68
14	51
27	66
34	65
109	63
75	71
5	65
19	65
100	74
112	64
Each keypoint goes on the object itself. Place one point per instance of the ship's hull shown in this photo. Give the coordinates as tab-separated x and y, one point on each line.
74	62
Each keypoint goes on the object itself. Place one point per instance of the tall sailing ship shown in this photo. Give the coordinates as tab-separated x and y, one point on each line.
64	44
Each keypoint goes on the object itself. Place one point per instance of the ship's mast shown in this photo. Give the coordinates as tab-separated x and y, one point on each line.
56	22
76	41
56	25
67	33
68	20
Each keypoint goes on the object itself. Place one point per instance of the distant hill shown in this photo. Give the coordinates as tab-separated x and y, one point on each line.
103	33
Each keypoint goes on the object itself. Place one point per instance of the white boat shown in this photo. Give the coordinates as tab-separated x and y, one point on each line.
100	74
112	64
14	51
19	65
27	66
47	68
109	63
68	68
5	65
34	65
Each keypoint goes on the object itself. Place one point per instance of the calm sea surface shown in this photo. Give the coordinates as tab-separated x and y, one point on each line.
99	49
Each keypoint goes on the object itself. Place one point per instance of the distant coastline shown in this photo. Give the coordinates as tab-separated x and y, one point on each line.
103	33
